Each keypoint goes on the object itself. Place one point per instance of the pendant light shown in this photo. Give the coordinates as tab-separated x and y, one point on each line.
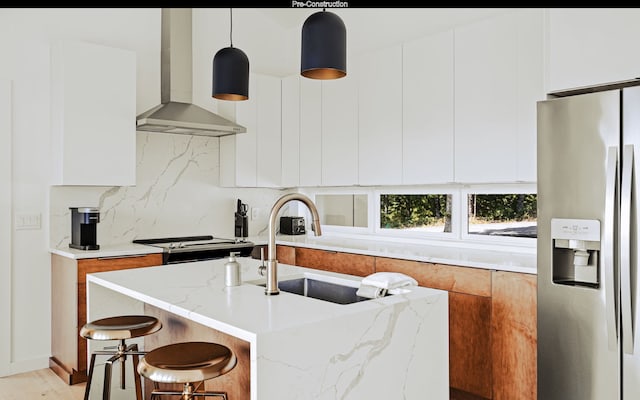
324	46
230	72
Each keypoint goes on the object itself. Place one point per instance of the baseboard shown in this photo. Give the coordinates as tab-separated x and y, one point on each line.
69	377
27	366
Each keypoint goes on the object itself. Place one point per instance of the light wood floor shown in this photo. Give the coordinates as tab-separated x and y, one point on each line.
39	384
44	384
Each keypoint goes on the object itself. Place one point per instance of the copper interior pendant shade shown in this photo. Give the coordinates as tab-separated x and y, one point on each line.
230	72
324	46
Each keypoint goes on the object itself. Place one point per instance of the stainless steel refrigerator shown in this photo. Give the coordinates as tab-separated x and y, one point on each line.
587	246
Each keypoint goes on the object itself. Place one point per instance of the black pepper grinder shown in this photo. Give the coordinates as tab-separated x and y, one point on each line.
241	220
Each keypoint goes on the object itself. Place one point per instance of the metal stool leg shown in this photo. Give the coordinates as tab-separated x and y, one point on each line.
106	390
136	377
90	376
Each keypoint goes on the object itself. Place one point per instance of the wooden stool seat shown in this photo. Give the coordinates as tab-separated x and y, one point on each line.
187	363
118	328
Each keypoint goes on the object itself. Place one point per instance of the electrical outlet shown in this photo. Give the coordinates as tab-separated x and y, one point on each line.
255	213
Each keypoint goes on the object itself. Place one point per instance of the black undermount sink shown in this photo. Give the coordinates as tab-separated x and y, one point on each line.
320	289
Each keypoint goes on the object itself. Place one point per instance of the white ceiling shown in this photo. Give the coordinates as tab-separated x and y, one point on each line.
271	36
377	27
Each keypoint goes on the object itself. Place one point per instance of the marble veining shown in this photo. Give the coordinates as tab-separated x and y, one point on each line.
177	193
301	348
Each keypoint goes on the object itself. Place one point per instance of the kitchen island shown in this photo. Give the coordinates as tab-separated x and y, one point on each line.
290	346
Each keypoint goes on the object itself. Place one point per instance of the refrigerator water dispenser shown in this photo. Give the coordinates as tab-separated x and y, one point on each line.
576	251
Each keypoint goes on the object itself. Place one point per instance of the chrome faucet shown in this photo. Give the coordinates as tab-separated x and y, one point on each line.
272	262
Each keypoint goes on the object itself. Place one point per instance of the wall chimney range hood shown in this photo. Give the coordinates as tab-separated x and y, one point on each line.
176	113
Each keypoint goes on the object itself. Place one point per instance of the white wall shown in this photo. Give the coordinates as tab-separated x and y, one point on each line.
5	224
174	197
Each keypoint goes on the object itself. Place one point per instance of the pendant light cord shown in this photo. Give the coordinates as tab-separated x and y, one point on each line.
231	26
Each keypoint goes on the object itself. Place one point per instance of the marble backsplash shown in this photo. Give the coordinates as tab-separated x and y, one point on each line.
177	193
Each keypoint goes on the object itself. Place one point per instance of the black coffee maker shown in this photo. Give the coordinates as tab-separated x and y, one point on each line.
84	222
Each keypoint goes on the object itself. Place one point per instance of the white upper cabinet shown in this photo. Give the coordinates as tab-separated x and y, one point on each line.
310	132
427	109
93	113
269	150
291	131
253	158
319	131
340	131
592	46
380	117
498	80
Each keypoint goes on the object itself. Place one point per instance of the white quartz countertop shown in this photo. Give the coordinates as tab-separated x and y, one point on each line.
523	262
114	250
501	260
196	291
300	348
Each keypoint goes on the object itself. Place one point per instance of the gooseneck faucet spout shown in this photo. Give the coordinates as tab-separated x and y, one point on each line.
272	262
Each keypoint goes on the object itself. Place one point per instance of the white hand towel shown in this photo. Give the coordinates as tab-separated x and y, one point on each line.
388	280
370	292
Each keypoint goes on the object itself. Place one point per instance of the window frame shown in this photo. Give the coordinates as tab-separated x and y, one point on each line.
493	189
458	236
386	232
343	229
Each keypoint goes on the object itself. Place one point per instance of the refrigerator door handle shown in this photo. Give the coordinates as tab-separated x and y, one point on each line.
608	245
625	249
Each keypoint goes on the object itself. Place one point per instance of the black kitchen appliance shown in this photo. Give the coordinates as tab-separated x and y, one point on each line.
84	222
241	226
292	226
197	248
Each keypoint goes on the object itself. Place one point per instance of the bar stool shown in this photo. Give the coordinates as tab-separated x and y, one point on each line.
187	363
118	328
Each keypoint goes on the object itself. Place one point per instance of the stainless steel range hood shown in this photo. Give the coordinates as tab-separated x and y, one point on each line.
176	113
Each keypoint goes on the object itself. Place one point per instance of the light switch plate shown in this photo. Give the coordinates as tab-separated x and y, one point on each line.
27	221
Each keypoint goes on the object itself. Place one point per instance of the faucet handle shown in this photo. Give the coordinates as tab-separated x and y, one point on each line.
262	269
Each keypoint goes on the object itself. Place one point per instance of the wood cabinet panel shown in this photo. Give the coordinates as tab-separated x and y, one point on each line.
470	343
469	318
177	329
514	333
285	254
446	277
345	263
69	308
91	265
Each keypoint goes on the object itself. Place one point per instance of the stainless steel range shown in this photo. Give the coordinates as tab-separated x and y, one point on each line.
197	248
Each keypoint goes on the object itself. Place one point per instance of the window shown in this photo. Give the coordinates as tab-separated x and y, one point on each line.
468	215
506	215
343	209
416	212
